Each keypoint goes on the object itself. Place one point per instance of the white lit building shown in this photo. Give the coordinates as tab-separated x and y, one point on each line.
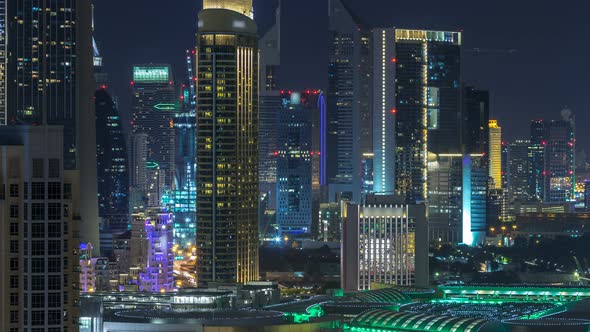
384	241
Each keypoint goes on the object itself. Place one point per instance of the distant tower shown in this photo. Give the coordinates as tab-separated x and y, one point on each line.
538	145
495	154
348	96
227	143
153	106
112	165
560	164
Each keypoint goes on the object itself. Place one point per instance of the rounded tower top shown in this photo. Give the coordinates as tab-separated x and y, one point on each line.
243	7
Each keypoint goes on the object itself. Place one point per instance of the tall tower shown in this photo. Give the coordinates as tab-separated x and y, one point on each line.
227	143
349	122
495	154
112	167
538	145
560	165
50	81
153	107
417	105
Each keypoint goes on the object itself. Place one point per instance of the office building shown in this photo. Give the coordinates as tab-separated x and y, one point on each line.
384	241
368	181
457	188
182	199
227	143
495	155
50	82
138	158
40	204
475	189
270	101
445	195
520	170
560	154
153	106
349	119
299	160
538	145
112	168
476	117
330	221
417	96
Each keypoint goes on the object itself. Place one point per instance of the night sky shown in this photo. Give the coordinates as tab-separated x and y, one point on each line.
549	71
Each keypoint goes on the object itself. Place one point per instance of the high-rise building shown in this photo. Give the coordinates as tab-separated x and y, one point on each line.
330	221
49	81
384	241
476	117
299	159
495	154
445	198
560	154
112	166
270	101
153	107
417	96
457	187
40	204
520	173
349	120
227	144
474	207
538	145
182	200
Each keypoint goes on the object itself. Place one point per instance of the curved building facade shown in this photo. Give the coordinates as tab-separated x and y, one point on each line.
227	144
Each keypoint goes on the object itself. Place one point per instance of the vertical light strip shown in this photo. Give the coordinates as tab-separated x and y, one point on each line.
425	121
383	110
467	234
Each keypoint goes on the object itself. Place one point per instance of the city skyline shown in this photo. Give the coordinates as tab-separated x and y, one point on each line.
486	69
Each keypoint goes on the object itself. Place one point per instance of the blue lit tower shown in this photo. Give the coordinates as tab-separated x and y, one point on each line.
183	199
299	160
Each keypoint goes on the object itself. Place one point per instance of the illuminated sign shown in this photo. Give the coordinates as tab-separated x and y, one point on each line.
159	74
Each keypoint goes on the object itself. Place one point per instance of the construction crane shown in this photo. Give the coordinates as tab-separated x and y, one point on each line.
478	51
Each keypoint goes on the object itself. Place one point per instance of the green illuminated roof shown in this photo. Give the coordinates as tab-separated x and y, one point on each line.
386	320
387	295
517	290
151	74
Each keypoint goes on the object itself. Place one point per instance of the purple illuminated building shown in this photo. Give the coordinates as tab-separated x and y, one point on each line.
158	275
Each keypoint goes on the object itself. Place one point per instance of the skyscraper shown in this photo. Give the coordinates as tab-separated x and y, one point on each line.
153	106
476	117
39	238
270	104
520	172
495	155
538	145
50	82
227	143
182	199
297	149
349	101
417	96
112	166
560	165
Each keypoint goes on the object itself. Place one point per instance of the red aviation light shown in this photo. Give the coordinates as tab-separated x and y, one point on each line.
394	111
393	60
